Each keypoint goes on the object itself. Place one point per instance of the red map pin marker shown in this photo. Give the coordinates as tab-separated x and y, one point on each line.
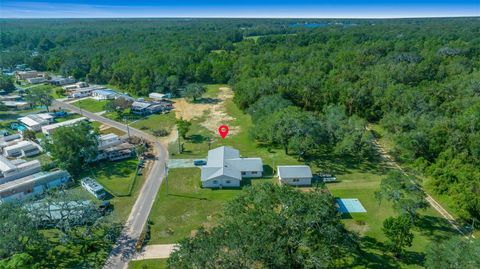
223	130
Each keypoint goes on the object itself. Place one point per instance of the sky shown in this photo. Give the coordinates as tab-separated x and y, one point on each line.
239	8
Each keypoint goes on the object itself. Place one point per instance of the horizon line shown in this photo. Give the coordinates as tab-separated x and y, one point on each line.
250	17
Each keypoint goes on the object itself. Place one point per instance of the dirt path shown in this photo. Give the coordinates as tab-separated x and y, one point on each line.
433	203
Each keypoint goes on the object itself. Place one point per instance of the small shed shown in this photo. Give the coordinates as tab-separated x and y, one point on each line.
295	175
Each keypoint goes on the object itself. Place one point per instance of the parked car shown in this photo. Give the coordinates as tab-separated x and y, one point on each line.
199	162
328	178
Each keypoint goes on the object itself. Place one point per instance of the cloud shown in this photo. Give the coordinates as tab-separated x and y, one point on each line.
69	10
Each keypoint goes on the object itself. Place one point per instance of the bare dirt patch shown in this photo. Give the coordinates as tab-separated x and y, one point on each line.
215	113
188	111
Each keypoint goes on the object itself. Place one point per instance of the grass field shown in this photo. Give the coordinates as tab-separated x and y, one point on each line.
148	264
186	207
91	105
116	177
156	122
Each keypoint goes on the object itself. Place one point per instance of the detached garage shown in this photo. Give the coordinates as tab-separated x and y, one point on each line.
295	175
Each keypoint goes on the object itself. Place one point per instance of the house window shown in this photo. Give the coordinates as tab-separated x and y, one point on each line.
244	173
228	181
254	172
215	182
296	180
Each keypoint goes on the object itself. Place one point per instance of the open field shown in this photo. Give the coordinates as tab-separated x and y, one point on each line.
91	105
148	264
156	122
186	207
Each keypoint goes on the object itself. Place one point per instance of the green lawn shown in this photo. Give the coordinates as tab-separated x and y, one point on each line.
148	264
70	116
212	90
186	207
116	177
362	185
156	122
91	105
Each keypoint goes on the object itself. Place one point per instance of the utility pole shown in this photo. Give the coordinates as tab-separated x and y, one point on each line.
179	147
209	143
128	129
166	177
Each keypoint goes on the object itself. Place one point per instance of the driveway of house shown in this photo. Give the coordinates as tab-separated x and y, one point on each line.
181	163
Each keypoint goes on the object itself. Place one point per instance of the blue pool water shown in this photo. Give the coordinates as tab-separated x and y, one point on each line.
21	128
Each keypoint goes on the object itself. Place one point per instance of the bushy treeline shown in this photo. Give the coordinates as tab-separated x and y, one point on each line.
308	88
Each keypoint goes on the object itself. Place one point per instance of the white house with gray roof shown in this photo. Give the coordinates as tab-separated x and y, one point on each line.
225	168
295	175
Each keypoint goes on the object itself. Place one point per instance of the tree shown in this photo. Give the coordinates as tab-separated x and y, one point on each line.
29	135
183	126
118	106
269	226
406	196
454	252
397	230
18	261
140	149
18	232
194	91
73	146
6	84
39	97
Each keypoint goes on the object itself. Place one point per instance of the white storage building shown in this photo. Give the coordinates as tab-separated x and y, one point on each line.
295	175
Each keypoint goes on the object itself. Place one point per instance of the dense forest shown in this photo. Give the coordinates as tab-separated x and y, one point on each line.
309	87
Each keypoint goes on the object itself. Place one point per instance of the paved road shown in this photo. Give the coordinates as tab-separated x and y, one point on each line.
124	249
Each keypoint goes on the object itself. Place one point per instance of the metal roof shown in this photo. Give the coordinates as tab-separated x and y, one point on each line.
105	92
6	165
294	171
226	161
37	178
246	164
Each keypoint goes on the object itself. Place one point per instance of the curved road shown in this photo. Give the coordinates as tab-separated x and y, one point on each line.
124	249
